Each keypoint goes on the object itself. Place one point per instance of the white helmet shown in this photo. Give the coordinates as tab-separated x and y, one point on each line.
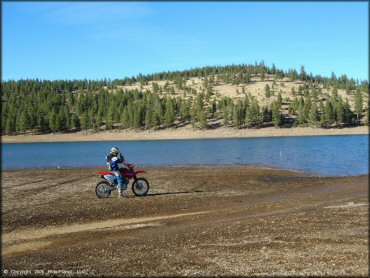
114	150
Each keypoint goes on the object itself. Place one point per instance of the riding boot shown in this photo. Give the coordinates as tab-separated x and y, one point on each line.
119	187
120	196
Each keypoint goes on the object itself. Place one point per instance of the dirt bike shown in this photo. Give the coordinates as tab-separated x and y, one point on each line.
140	186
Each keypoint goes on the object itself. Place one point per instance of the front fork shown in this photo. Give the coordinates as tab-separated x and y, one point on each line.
125	182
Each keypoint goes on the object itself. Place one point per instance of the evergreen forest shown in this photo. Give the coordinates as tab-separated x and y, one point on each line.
258	96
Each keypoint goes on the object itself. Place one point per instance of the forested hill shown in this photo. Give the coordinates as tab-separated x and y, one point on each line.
236	96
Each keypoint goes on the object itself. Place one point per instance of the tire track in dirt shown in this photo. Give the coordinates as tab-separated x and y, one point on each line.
27	183
11	240
37	190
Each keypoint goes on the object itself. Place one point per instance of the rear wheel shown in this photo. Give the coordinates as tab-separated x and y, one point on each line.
103	189
140	187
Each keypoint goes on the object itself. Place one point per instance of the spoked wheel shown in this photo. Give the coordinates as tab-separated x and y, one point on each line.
140	187
103	189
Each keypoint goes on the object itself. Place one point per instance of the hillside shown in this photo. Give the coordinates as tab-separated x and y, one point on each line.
236	97
256	88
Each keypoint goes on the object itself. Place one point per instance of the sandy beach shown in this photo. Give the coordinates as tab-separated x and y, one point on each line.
181	133
203	221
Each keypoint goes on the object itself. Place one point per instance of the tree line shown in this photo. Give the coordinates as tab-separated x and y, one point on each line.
55	106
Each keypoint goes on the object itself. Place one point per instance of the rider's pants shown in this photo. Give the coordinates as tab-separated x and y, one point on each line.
119	179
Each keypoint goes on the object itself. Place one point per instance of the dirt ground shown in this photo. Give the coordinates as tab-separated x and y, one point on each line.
194	222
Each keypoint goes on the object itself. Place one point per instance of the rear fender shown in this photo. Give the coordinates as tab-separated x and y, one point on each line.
105	173
140	172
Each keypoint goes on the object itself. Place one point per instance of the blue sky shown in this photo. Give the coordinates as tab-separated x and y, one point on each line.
95	40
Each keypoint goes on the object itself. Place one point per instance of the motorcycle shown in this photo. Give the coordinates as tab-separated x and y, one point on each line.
140	186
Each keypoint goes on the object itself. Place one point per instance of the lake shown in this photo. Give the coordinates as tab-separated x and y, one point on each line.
323	155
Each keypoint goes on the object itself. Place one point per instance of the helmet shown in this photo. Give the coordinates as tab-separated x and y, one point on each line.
114	150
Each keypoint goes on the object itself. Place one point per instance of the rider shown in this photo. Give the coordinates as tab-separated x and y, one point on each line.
113	159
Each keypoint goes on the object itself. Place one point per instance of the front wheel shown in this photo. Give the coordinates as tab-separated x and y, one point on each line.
103	189
140	187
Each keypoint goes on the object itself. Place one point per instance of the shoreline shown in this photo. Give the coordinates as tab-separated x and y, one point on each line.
181	134
250	167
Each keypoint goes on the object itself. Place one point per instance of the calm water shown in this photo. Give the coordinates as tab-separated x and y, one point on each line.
323	155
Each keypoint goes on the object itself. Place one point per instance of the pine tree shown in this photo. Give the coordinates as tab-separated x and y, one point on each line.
184	110
266	115
273	69
340	111
169	116
267	91
155	88
276	115
85	122
235	116
358	105
241	112
252	116
58	126
159	112
157	116
202	119
62	120
108	122
347	113
10	125
293	107
31	119
301	117
130	115
92	121
156	119
124	119
321	106
98	120
52	120
225	115
314	94
23	122
41	122
307	107
75	122
328	115
137	116
314	114
67	124
303	75
149	118
248	117
263	76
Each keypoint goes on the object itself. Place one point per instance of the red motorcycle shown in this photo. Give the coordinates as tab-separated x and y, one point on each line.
140	186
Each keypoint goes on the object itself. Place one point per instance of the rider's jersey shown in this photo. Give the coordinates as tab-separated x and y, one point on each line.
113	164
